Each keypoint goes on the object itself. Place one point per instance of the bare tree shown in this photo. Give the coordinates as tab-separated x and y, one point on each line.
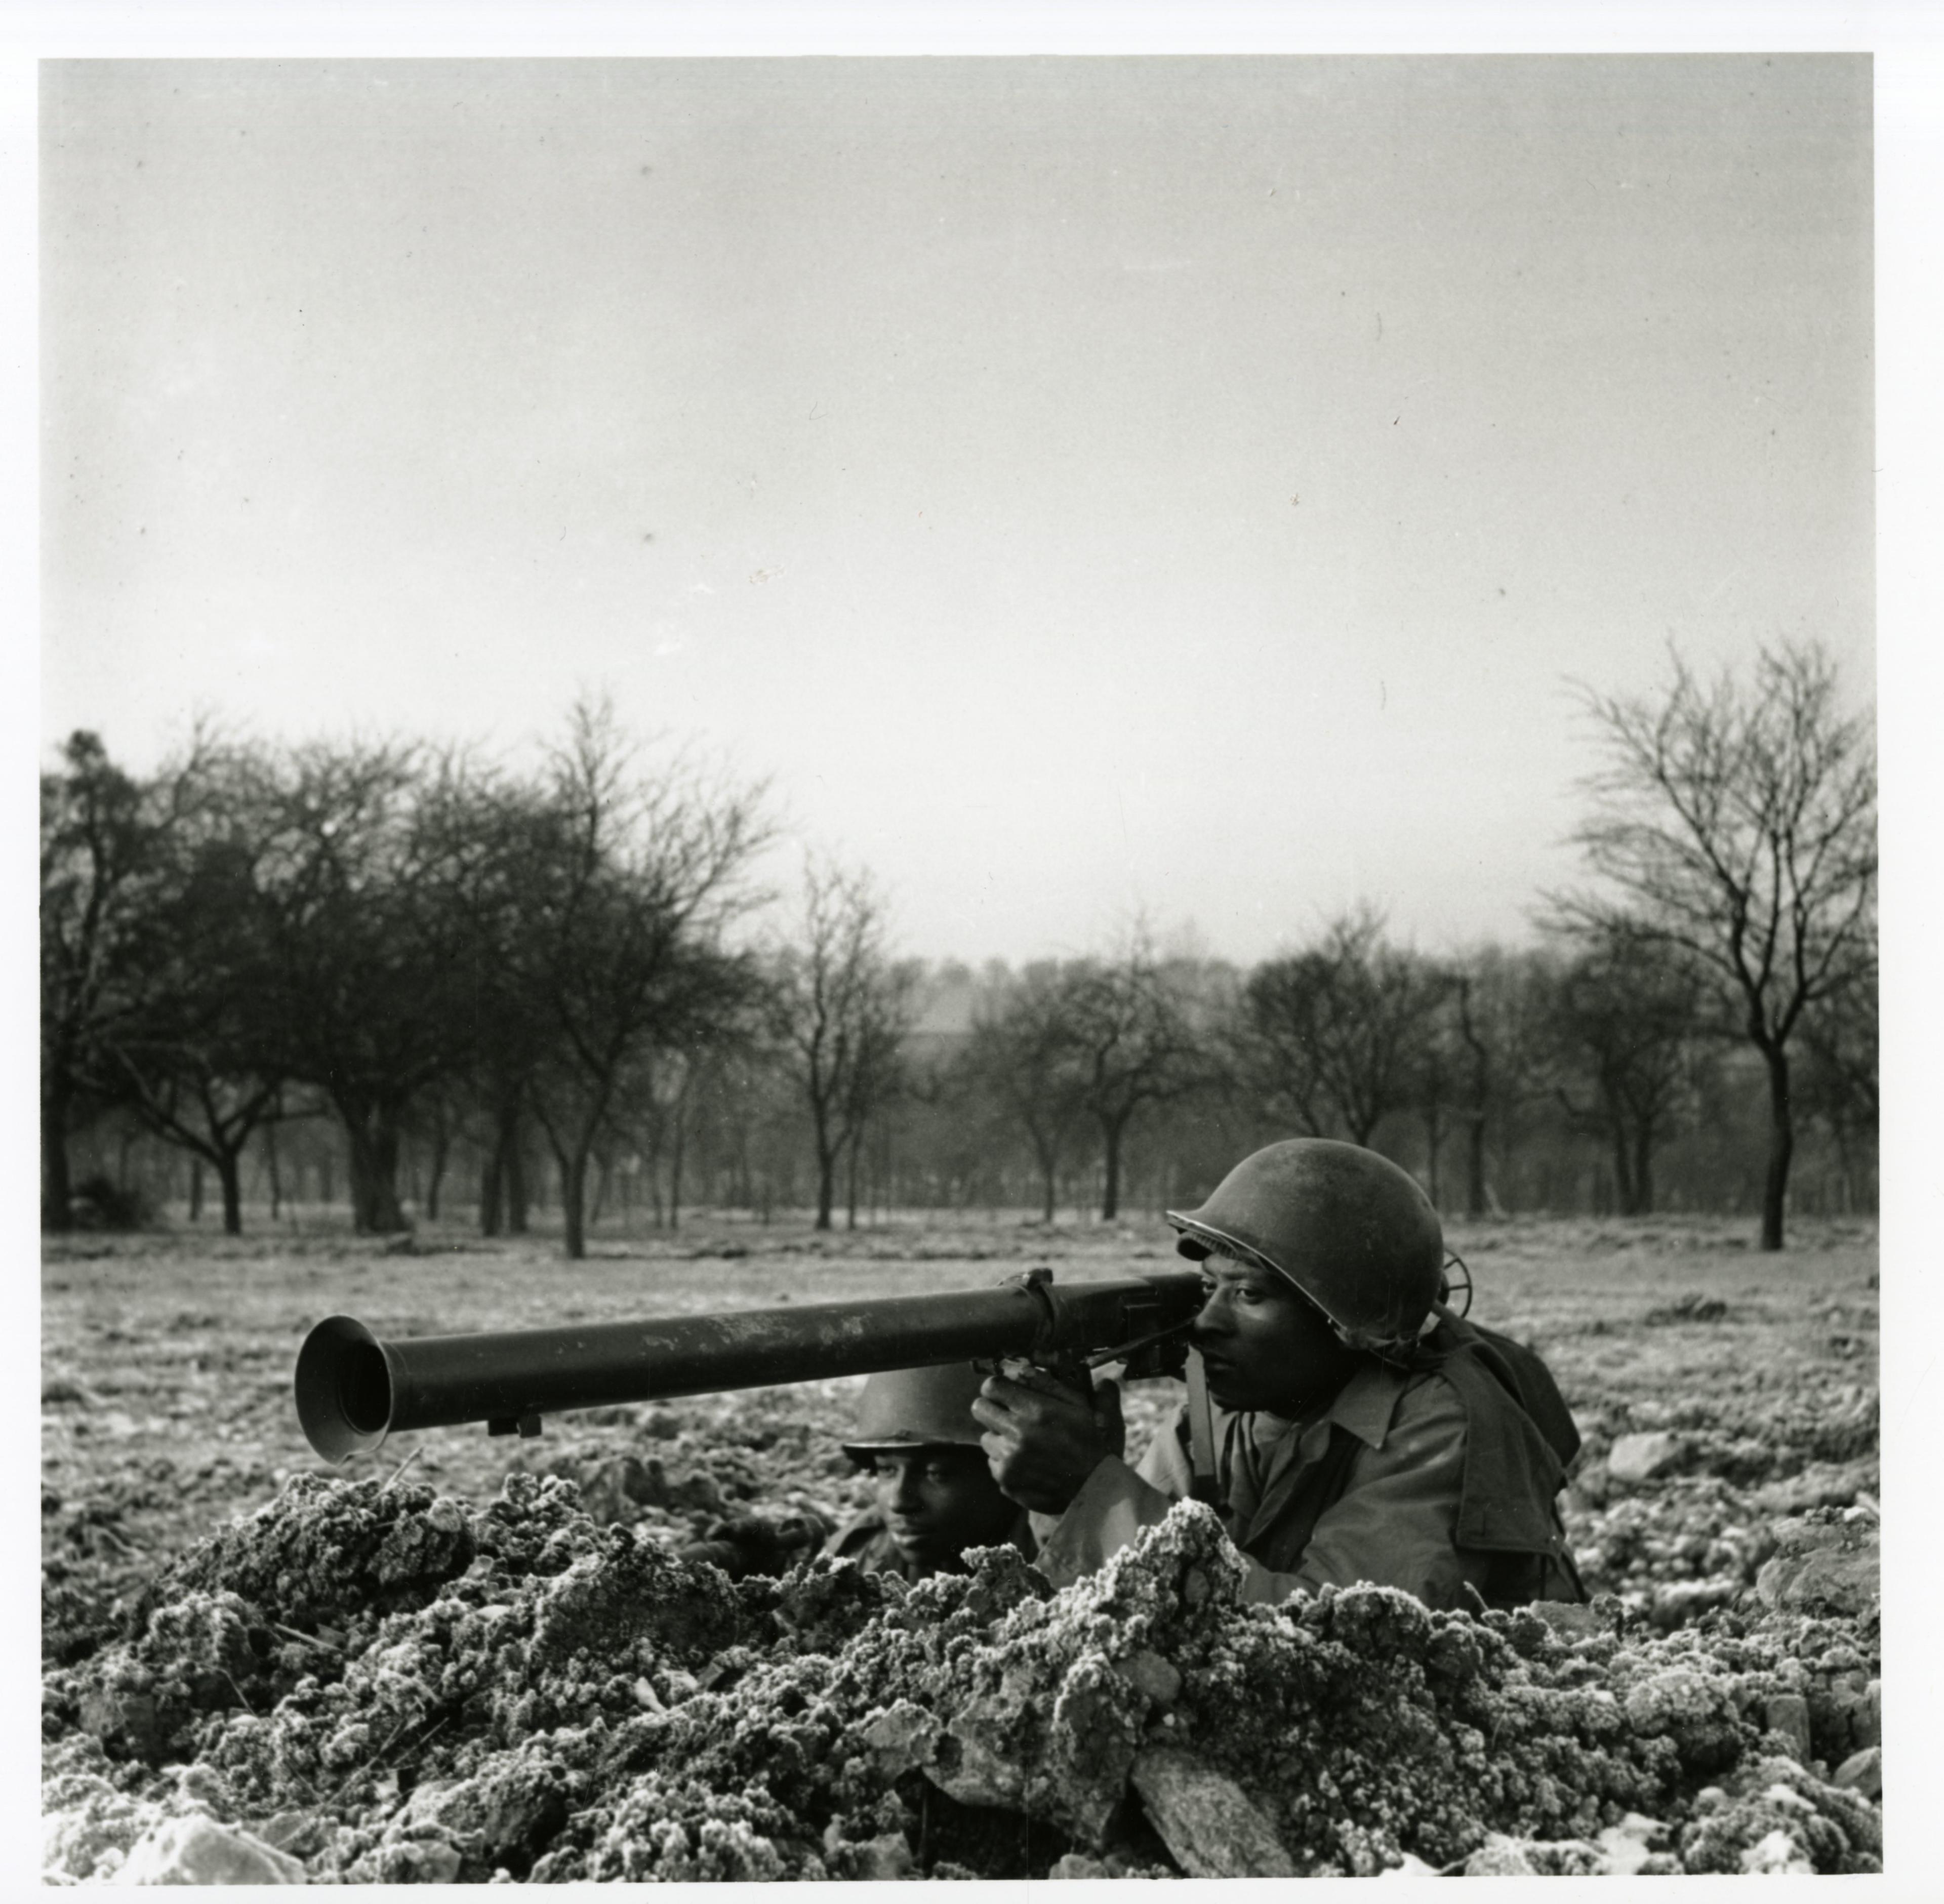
841	1011
1737	823
194	1057
1493	1039
655	1114
883	1077
512	1022
1839	1082
366	950
1481	1066
1336	1036
1625	1015
1132	1043
630	880
149	958
99	840
1019	1056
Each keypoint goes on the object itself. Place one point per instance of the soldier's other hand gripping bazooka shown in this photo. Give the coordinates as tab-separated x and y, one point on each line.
353	1389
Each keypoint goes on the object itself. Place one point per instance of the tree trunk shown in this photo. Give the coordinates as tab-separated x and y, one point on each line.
1475	1199
827	1152
1845	1179
501	1191
675	1149
573	1202
1110	1193
826	1184
1480	1096
441	1143
850	1181
195	1189
229	1175
57	1185
514	1167
1781	1147
270	1165
491	1193
1623	1170
373	1142
1643	1170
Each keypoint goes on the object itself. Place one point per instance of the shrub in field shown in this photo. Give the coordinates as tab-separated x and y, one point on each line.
100	1203
1693	1308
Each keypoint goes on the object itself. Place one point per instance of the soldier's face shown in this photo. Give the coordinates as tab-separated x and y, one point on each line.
1265	1346
937	1501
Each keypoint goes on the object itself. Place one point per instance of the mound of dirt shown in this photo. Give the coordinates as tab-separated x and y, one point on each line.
387	1685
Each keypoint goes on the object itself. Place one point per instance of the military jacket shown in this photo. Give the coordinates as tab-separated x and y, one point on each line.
1436	1479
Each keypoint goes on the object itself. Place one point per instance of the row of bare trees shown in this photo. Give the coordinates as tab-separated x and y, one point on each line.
1730	835
561	974
1557	1077
375	929
1466	1066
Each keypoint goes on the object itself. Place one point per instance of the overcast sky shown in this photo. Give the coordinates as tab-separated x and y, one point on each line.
1082	487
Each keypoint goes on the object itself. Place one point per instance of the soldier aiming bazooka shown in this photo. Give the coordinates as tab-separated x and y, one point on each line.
1347	1424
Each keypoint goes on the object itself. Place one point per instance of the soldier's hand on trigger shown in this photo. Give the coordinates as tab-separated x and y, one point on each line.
1043	1438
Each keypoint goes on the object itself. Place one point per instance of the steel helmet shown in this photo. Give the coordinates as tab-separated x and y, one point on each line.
902	1409
1350	1229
